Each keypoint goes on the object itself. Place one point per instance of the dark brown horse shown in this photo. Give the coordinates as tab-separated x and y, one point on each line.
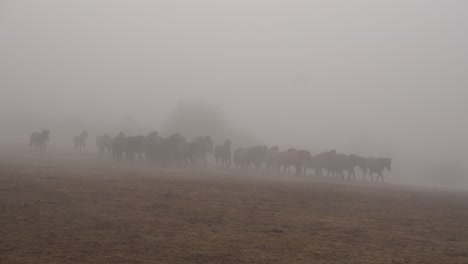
202	146
79	142
223	154
377	166
38	140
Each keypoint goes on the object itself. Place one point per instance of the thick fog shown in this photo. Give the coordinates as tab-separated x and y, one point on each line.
376	78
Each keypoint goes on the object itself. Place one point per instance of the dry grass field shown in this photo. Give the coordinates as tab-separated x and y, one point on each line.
54	210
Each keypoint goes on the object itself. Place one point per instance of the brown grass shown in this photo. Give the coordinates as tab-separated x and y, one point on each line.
56	212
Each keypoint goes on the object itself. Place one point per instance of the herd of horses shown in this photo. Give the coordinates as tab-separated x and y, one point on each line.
175	150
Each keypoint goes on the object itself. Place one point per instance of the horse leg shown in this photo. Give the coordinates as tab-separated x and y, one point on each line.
381	176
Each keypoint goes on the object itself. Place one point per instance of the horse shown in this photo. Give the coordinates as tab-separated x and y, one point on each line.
325	160
252	157
301	160
361	163
154	147
347	163
108	141
242	158
134	145
377	165
185	153
223	154
38	140
203	145
118	146
271	156
257	155
79	142
168	150
285	160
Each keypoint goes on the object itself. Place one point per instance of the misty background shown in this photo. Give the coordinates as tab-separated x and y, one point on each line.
375	78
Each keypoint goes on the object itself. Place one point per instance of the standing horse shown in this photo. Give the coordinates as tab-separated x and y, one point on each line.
104	144
285	159
302	160
172	149
223	154
257	156
377	166
118	146
240	159
134	145
348	163
79	142
39	139
203	146
270	159
324	160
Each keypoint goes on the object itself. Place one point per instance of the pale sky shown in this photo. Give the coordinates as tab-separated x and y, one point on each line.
371	76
